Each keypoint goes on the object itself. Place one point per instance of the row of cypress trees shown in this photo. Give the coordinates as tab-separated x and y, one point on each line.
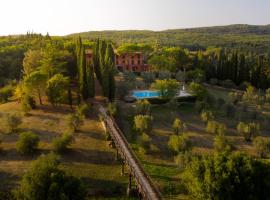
102	67
86	80
237	67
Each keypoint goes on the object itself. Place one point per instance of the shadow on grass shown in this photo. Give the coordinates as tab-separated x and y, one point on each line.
89	156
14	155
98	188
8	181
93	134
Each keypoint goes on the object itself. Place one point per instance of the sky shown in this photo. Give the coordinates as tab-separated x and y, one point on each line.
61	17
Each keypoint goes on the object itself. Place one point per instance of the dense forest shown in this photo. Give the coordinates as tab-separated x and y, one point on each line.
239	37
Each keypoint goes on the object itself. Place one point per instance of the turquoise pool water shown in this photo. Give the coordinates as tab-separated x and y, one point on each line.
144	94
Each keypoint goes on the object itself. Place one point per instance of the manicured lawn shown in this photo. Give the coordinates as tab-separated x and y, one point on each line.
89	157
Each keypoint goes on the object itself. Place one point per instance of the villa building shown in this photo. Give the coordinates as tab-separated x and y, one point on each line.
134	62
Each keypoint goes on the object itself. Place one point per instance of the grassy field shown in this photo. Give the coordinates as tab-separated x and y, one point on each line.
160	163
89	157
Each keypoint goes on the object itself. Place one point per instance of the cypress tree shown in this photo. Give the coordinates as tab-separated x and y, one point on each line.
96	61
78	58
90	80
83	75
110	62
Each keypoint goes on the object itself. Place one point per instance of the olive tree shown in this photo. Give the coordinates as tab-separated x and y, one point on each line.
178	126
143	123
248	130
179	143
143	107
12	121
27	143
207	116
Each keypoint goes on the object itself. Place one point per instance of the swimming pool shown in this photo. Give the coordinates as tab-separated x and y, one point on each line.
144	94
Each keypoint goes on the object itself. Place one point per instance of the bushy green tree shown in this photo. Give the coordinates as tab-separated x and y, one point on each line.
32	61
61	144
143	123
45	181
35	84
56	89
12	121
178	126
227	176
27	143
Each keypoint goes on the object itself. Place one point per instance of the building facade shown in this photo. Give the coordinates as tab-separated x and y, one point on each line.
134	62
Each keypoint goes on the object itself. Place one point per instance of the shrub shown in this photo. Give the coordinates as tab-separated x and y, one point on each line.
44	180
74	121
143	123
179	143
228	84
178	126
112	109
262	146
60	144
143	107
5	93
164	75
27	143
198	90
83	110
148	77
129	76
221	143
180	76
12	122
220	102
